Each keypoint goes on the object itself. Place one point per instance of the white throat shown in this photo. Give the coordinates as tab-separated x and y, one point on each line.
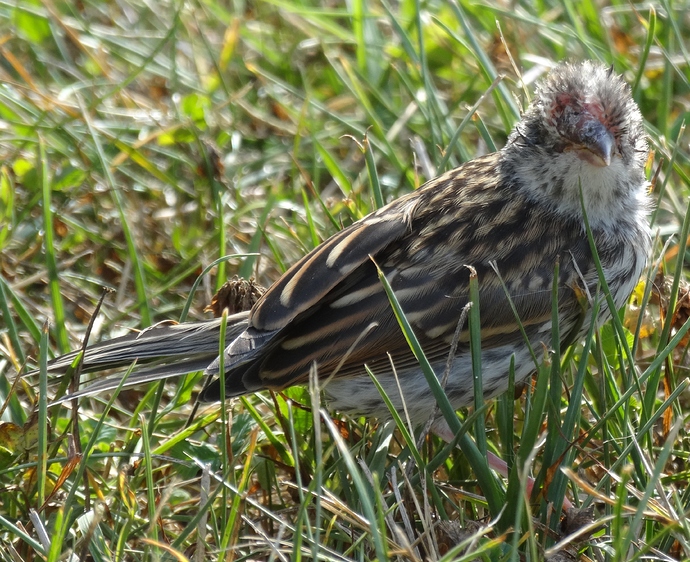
610	193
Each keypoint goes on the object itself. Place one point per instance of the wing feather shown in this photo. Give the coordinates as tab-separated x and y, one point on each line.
330	310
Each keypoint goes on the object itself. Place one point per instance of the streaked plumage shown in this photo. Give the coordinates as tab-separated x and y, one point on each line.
517	211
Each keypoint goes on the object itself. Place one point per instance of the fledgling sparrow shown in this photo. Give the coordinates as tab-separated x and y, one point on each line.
511	215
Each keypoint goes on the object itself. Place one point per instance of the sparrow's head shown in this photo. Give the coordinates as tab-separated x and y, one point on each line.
582	130
588	109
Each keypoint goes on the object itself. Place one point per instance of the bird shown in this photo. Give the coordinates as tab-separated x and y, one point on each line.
573	164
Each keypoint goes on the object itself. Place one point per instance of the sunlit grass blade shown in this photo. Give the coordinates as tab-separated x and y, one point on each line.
487	481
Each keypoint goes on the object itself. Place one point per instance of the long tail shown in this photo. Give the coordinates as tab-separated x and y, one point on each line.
161	352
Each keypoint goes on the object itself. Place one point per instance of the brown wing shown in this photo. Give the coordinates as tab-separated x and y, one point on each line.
330	308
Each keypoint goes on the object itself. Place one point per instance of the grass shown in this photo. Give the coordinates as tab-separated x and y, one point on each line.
142	141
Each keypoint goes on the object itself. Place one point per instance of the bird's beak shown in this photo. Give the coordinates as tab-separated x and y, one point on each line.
599	142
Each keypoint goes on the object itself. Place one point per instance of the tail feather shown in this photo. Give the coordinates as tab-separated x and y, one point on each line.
139	376
161	352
